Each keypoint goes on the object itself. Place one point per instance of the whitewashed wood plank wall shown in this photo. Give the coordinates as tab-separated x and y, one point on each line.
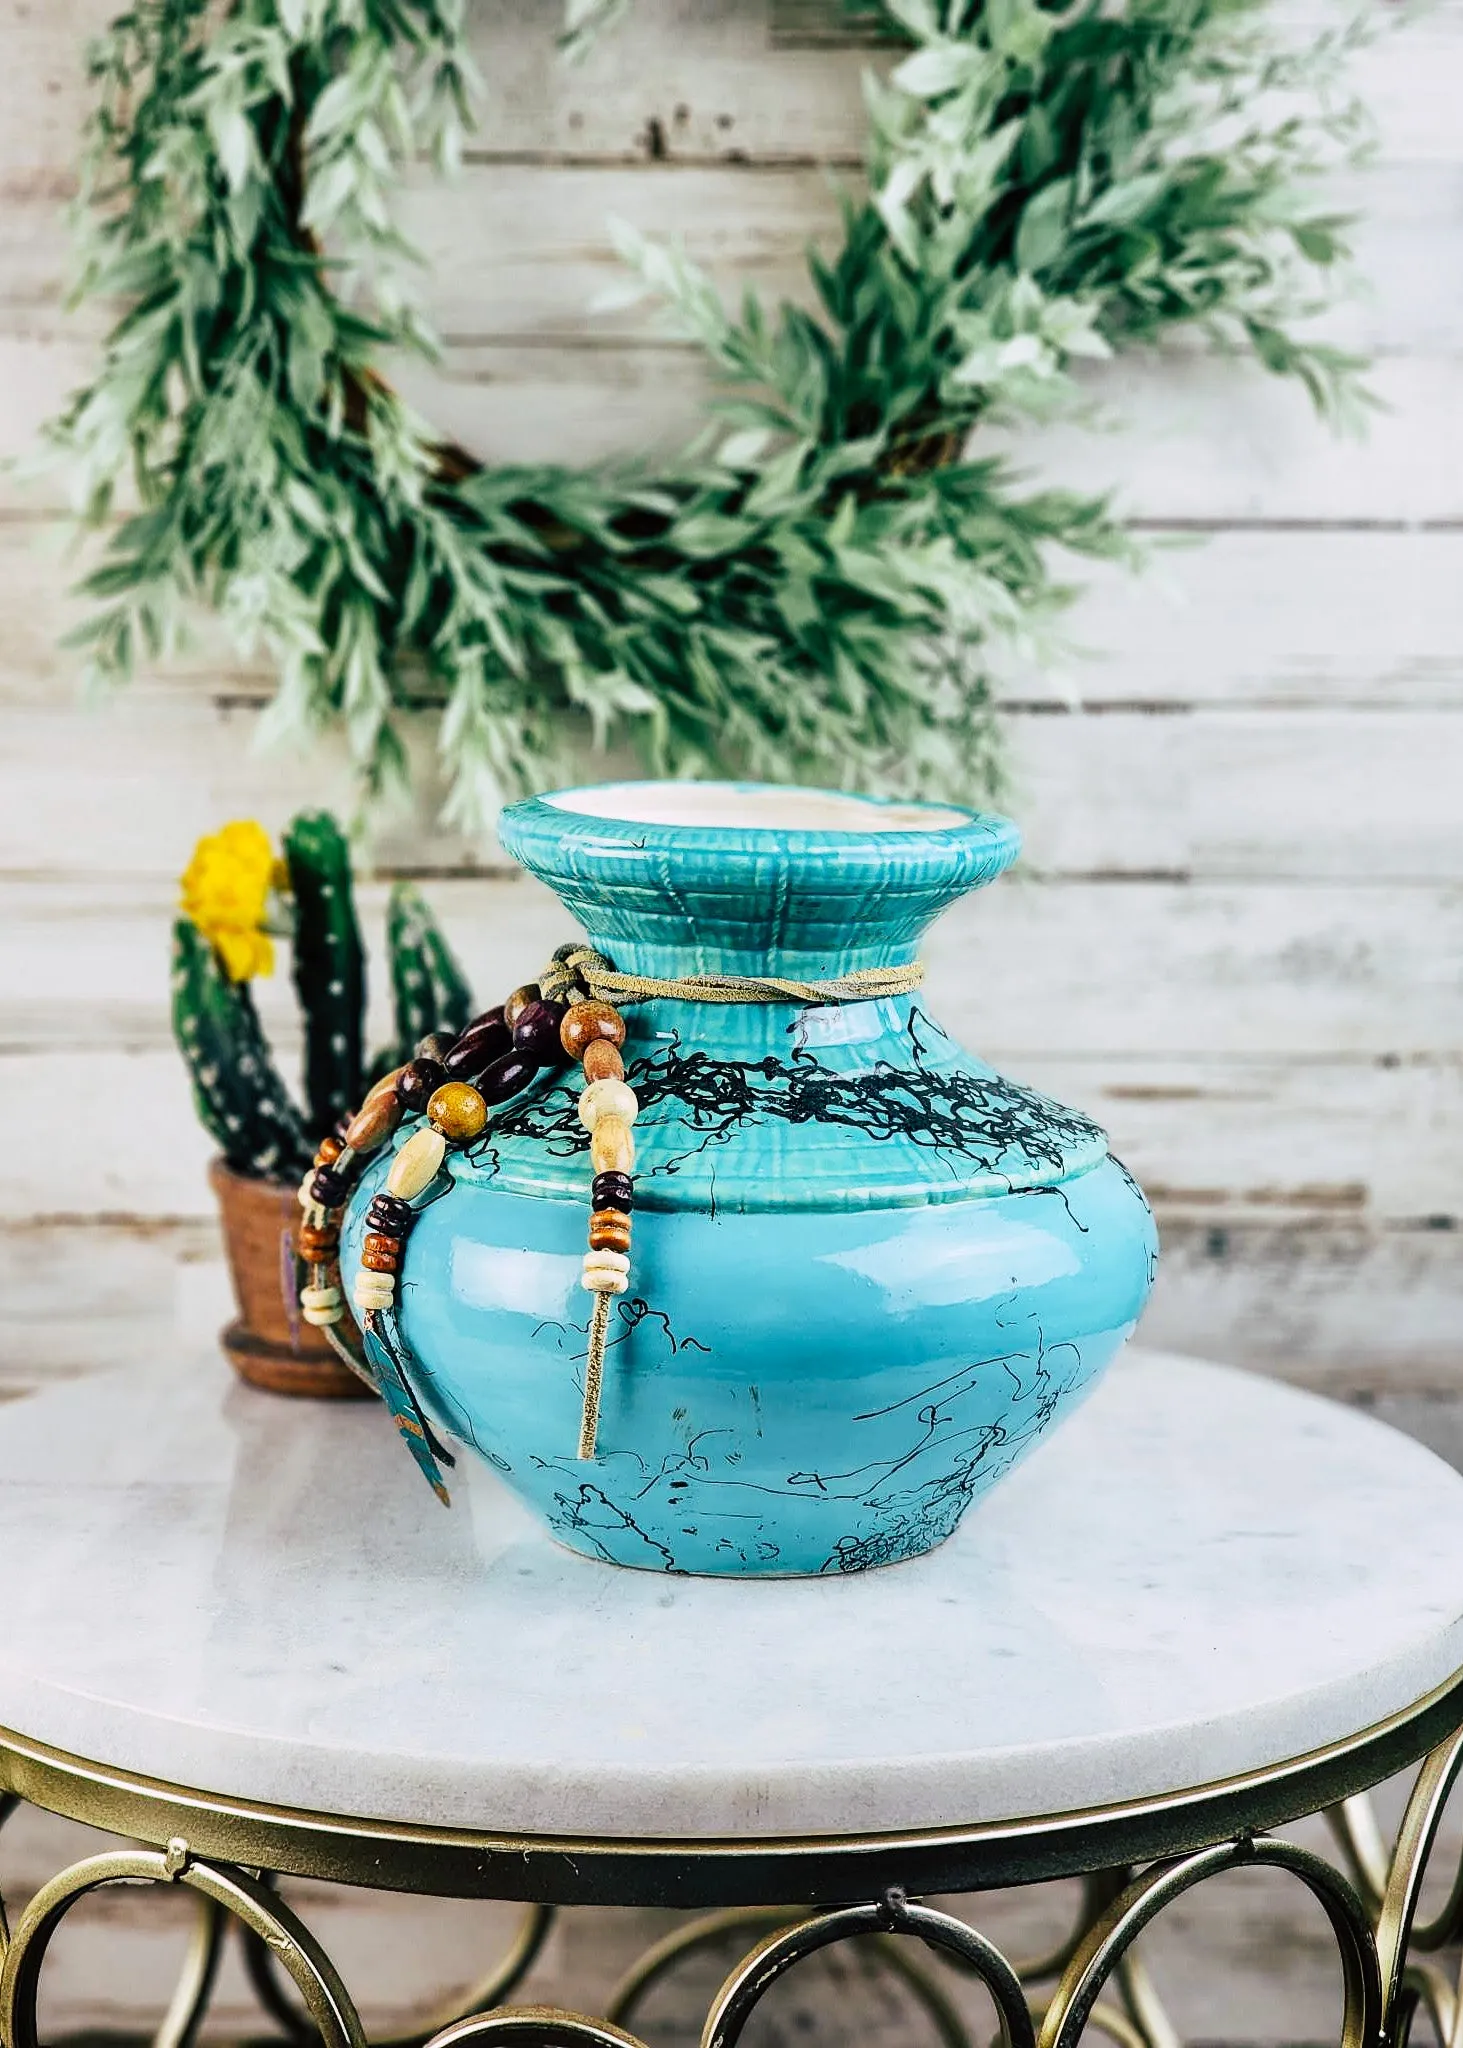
1237	936
1237	933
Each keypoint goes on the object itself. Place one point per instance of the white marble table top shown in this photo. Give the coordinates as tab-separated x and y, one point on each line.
1201	1574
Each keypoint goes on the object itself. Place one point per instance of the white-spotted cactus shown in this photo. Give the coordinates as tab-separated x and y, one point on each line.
222	942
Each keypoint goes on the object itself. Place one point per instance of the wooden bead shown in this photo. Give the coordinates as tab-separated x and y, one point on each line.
321	1306
374	1290
519	1001
602	1061
605	1272
417	1083
416	1165
536	1032
329	1150
458	1112
612	1146
328	1189
483	1042
612	1191
483	1021
506	1076
381	1254
318	1241
375	1120
591	1023
609	1231
389	1217
608	1098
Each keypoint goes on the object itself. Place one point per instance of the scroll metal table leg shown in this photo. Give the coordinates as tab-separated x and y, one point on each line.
236	1893
194	1988
893	1915
507	1973
1356	1829
683	1942
1144	2023
1101	1954
1145	2009
189	2002
8	1803
1403	1939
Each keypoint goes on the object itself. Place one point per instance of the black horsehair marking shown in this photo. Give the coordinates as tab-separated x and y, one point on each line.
928	1511
972	1116
969	1116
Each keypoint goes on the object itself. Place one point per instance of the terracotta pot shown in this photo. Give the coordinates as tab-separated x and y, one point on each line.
270	1345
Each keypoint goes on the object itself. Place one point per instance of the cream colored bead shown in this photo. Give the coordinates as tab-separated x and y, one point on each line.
307	1200
374	1290
321	1306
612	1146
417	1164
608	1098
605	1272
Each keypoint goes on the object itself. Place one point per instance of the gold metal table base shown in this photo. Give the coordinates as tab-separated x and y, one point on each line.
1136	1859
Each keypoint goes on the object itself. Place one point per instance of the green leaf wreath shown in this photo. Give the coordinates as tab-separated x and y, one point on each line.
820	585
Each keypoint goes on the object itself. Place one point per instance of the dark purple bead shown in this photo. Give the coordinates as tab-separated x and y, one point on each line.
418	1082
506	1076
484	1041
537	1031
390	1216
435	1046
480	1023
328	1188
612	1191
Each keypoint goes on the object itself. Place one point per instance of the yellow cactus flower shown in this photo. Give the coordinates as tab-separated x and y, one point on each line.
226	889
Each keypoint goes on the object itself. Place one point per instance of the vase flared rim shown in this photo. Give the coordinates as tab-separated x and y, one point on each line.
743	815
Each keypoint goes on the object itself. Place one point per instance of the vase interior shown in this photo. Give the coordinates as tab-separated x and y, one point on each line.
752	807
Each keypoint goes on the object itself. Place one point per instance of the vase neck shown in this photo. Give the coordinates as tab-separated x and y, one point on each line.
669	879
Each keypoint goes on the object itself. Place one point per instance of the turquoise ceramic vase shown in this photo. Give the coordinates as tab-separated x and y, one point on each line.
868	1274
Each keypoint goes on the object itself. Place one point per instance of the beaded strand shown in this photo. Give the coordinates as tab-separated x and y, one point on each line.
593	1032
454	1085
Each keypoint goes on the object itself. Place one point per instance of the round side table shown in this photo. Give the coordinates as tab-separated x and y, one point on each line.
241	1634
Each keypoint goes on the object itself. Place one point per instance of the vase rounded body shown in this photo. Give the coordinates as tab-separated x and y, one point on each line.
868	1274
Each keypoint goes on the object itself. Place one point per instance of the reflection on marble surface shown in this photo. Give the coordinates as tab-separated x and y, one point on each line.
1204	1573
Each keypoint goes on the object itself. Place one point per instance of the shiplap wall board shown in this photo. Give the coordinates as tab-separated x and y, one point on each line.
1236	937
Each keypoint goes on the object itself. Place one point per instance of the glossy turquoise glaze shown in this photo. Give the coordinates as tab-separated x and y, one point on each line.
868	1274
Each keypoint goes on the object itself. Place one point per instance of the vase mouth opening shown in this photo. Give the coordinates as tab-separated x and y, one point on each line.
753	877
755	807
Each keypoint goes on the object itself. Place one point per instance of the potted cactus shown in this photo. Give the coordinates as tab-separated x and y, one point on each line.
237	895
